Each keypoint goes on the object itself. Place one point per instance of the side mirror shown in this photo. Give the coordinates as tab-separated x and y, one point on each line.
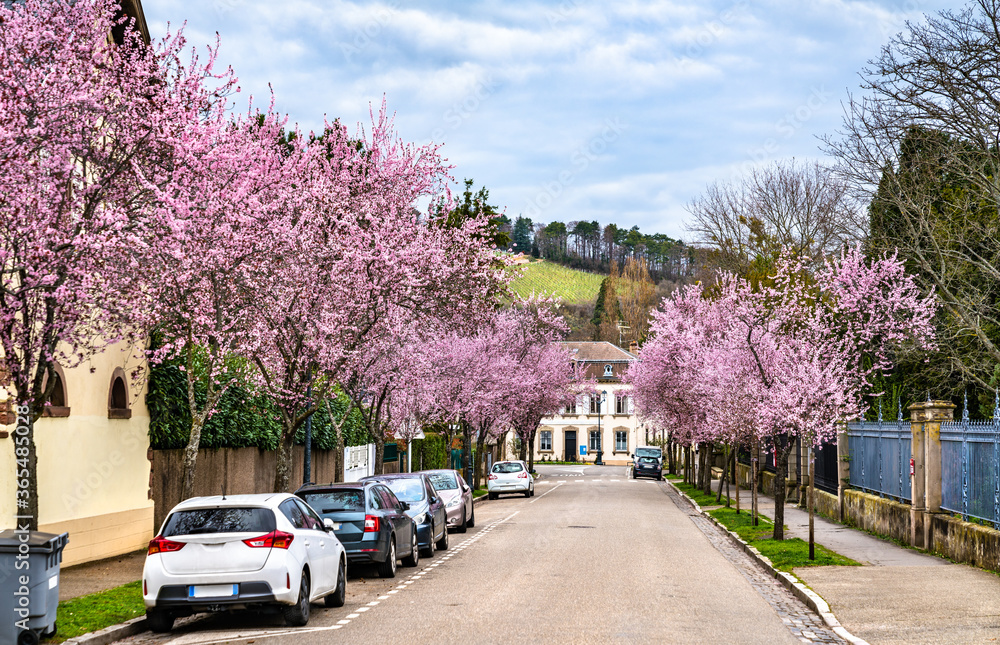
328	524
433	500
404	505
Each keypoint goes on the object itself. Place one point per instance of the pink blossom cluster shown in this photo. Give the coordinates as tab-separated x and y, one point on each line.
780	359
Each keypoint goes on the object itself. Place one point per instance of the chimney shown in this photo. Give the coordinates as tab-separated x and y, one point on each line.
633	347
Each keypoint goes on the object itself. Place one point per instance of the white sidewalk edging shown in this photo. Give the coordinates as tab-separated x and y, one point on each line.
809	597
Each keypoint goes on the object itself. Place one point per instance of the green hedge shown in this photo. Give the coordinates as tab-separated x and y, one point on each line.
242	419
430	452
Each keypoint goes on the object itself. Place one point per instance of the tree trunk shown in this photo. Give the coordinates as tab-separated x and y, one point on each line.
709	456
736	478
531	451
725	477
782	448
671	462
283	467
25	467
379	440
191	456
467	470
812	503
480	456
755	467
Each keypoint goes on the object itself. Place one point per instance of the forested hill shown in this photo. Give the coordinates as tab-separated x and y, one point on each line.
592	247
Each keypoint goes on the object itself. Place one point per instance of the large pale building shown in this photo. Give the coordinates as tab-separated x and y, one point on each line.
606	422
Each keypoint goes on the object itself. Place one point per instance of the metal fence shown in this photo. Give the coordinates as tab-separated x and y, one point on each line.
970	467
880	456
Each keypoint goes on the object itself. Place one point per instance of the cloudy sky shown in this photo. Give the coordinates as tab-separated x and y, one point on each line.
608	110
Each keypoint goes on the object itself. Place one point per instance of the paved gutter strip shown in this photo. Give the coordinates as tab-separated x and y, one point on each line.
808	597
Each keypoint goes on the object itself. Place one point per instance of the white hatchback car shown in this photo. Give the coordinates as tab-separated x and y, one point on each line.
270	552
510	477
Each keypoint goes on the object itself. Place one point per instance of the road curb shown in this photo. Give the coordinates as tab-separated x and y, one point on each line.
111	634
809	597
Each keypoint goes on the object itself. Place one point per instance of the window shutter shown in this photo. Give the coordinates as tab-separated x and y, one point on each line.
631	406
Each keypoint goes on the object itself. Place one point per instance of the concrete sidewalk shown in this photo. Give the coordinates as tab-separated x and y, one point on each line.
91	577
899	595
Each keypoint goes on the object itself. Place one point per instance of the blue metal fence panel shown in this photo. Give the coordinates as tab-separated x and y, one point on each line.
880	457
970	469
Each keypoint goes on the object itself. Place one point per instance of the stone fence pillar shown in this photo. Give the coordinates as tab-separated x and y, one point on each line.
925	428
843	470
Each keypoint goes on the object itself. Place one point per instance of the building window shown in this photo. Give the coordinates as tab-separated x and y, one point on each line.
118	396
595	441
608	371
56	405
595	405
621	404
545	440
621	440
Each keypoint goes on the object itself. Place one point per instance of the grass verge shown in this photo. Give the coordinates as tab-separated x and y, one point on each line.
479	492
785	554
89	613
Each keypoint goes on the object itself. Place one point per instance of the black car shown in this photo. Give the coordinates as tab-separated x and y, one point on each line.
647	467
369	520
426	507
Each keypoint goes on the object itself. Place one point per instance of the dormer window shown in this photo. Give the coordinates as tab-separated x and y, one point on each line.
608	371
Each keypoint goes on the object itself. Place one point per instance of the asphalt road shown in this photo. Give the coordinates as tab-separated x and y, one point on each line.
594	557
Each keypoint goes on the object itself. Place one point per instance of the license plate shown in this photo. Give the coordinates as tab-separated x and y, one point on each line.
213	591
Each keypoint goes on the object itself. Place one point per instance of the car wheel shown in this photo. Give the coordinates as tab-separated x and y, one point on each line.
532	491
414	558
159	621
493	495
428	551
442	544
298	614
527	493
464	526
388	568
339	595
472	518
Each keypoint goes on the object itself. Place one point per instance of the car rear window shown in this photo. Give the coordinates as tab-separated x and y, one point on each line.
408	490
220	520
444	481
507	467
336	501
647	460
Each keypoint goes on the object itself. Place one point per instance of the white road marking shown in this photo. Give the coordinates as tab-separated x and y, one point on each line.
544	494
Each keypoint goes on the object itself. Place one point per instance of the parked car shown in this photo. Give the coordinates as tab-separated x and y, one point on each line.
510	477
650	451
647	467
457	497
369	520
426	508
261	552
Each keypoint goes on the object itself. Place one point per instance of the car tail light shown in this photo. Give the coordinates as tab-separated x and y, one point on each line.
273	540
492	477
522	475
163	545
371	523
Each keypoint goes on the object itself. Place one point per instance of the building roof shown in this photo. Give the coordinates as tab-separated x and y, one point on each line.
598	352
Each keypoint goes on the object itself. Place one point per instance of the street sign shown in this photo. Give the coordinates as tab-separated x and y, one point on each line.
583	449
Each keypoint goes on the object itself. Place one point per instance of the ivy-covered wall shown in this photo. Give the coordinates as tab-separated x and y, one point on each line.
242	419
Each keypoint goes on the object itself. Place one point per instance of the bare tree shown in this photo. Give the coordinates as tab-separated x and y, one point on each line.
802	207
921	143
638	297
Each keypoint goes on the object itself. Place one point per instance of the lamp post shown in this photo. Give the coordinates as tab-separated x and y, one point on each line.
600	438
